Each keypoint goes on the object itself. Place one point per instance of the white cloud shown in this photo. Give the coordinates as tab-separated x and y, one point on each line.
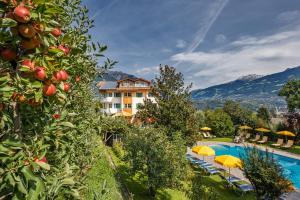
146	71
260	55
180	44
289	16
220	38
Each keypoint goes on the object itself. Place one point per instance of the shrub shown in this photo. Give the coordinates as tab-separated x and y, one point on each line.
220	122
265	174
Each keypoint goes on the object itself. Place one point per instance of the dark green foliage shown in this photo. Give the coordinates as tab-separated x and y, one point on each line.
238	114
220	122
200	191
264	114
291	92
159	162
265	174
174	110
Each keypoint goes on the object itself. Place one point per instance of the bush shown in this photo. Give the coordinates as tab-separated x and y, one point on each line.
265	174
200	191
220	122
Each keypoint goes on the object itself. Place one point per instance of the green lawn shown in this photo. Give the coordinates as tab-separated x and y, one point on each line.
139	190
219	139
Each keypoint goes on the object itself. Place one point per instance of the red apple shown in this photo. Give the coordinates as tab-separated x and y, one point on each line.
32	43
27	30
8	54
29	64
49	90
56	116
22	14
77	78
39	27
61	75
33	102
22	98
66	87
65	49
40	73
56	32
44	160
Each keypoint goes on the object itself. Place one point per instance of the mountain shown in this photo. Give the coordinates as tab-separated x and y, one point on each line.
114	76
251	90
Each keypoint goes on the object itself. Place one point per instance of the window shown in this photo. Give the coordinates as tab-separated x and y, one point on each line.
139	94
117	105
104	95
109	105
150	94
117	94
139	105
110	94
127	94
128	105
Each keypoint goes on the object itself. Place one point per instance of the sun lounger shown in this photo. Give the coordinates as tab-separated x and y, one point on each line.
205	164
210	135
264	140
232	179
248	136
244	187
212	171
257	137
279	143
289	144
205	135
236	139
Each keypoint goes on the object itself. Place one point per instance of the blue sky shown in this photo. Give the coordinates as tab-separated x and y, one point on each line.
209	41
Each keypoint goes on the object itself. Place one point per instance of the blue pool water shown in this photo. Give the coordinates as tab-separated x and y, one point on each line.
291	166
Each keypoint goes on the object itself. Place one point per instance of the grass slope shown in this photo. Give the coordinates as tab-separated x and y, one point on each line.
101	181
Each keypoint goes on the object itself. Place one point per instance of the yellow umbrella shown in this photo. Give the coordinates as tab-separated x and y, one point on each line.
196	148
205	151
205	129
229	161
286	133
263	130
245	127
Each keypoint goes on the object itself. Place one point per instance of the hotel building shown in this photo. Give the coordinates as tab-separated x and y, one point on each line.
124	96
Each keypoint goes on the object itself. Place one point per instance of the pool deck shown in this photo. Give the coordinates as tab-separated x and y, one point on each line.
235	171
272	150
239	173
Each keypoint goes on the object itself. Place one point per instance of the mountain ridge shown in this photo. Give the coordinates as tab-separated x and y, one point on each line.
250	89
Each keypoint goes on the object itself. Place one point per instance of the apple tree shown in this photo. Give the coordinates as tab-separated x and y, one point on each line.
47	112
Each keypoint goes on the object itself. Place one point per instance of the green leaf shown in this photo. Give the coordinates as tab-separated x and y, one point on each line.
21	186
7	22
6	89
9	179
67	124
12	143
68	181
43	165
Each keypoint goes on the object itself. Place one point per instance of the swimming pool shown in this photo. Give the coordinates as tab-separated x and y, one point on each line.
291	166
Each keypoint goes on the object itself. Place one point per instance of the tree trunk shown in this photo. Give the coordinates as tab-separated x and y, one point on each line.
16	119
